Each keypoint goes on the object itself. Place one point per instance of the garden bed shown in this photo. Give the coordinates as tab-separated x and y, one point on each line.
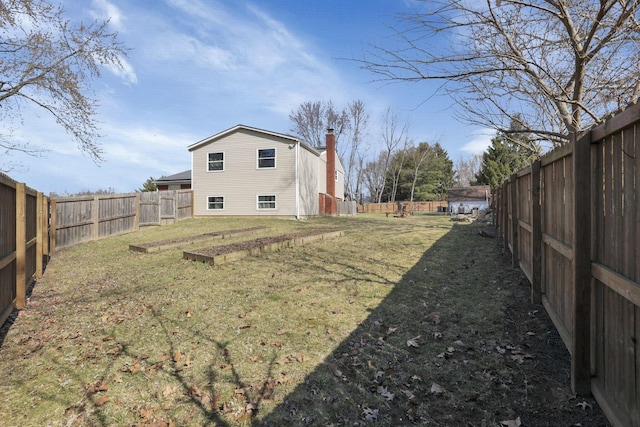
172	243
217	255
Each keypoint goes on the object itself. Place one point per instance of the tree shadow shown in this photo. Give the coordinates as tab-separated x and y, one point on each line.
423	354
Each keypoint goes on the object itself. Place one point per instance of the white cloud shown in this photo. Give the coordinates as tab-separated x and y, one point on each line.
108	11
480	142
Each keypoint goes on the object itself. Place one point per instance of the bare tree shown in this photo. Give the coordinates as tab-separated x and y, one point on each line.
466	170
310	123
560	65
373	177
47	61
419	154
312	119
354	151
392	135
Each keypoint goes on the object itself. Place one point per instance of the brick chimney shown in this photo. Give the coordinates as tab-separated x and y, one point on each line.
331	170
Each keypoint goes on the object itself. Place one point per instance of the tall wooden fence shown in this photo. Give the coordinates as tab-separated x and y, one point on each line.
85	218
571	221
24	242
431	206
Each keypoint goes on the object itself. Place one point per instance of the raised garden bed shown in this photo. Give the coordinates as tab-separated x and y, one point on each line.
217	255
183	241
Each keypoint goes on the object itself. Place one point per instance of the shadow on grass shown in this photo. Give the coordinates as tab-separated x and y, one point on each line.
421	355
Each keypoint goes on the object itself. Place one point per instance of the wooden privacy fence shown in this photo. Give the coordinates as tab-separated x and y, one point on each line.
24	242
430	206
85	218
347	207
571	221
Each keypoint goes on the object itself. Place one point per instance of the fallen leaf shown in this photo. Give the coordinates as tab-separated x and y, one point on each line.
584	405
145	413
391	330
177	356
413	342
281	332
189	314
102	400
301	358
245	325
382	391
436	388
512	423
435	318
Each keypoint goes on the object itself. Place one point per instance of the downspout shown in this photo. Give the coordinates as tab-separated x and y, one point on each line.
297	180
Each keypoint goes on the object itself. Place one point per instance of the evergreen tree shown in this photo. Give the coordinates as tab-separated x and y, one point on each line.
149	185
426	173
506	155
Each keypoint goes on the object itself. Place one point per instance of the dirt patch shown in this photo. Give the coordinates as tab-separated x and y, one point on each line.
214	251
545	392
148	247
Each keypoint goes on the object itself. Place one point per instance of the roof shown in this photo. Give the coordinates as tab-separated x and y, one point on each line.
470	194
181	176
252	129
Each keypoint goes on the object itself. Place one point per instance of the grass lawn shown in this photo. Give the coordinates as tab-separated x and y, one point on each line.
398	322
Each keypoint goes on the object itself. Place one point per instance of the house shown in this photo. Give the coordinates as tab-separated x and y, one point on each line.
249	171
179	181
466	200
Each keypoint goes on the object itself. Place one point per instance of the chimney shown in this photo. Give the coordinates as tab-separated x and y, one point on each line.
331	169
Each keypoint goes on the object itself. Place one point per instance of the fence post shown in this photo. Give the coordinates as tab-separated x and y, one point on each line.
506	190
45	228
136	220
515	256
54	224
95	217
39	240
21	246
536	234
581	246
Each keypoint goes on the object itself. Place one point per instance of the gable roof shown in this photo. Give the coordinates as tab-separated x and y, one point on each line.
181	176
249	128
468	194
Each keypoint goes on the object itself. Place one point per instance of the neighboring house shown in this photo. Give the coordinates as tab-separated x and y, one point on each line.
464	200
249	171
179	181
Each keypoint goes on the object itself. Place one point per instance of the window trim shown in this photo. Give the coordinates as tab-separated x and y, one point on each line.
214	209
258	158
209	161
258	201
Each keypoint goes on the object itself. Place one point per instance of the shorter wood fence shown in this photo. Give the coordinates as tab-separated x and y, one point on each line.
430	206
24	242
348	207
572	223
85	218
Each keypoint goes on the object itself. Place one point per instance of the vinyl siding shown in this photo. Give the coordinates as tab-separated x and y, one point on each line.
308	164
241	181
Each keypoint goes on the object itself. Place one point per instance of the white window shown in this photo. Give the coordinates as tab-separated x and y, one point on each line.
215	162
215	203
267	158
267	202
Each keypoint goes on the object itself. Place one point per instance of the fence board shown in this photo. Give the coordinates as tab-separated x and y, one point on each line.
589	249
82	219
23	254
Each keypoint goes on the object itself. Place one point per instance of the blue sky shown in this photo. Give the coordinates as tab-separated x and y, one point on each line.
198	67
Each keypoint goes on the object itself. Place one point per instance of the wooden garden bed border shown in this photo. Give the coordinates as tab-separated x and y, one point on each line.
172	243
215	260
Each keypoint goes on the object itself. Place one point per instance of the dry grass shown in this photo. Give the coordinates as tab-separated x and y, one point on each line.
396	323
